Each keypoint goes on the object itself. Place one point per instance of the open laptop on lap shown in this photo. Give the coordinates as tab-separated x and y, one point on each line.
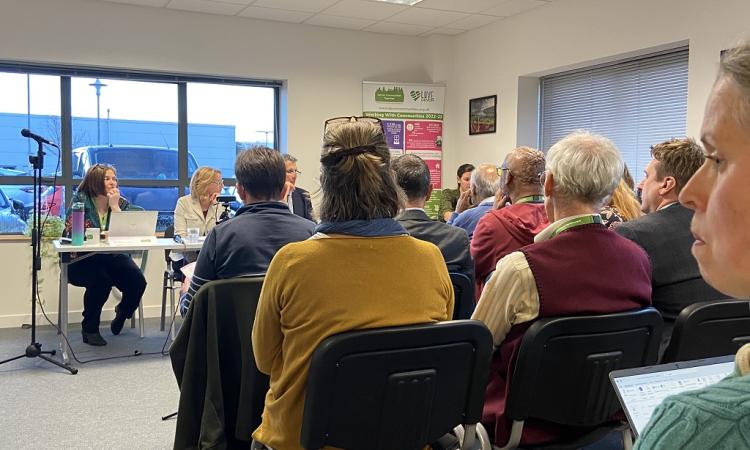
642	389
132	227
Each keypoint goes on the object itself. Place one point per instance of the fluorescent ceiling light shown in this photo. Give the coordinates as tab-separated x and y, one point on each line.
401	2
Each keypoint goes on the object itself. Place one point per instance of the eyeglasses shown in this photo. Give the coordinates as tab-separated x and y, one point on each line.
502	169
349	119
291	171
542	177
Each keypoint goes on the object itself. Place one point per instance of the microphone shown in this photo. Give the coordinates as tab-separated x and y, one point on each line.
28	134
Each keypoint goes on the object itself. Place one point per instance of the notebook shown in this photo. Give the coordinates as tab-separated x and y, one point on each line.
132	227
642	389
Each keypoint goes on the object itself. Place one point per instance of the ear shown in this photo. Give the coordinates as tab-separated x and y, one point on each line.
668	184
429	192
549	184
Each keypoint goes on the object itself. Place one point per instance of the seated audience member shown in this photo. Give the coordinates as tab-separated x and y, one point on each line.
623	206
298	199
197	210
505	230
484	181
664	232
99	272
245	244
717	417
413	176
360	270
449	197
563	273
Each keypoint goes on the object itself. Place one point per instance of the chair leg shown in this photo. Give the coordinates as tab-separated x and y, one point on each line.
627	438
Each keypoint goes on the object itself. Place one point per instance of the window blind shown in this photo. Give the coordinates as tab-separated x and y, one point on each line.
636	103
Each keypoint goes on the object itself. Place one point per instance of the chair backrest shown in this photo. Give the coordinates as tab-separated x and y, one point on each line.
706	329
213	361
463	292
396	388
562	371
168	233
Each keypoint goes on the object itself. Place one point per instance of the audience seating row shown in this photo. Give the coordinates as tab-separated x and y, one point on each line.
431	377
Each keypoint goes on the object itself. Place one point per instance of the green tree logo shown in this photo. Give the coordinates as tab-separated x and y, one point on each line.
389	95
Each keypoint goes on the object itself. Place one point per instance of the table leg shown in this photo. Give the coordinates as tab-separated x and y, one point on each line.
62	311
144	260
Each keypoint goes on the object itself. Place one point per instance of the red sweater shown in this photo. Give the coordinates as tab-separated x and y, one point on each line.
503	231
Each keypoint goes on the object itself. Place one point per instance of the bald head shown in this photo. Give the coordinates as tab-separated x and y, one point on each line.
484	181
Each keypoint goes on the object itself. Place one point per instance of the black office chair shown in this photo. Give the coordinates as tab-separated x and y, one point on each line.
562	371
222	392
463	292
396	388
706	329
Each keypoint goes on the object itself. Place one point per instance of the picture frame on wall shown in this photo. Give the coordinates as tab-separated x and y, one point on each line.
483	115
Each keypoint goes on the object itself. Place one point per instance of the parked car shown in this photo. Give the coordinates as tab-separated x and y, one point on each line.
10	222
135	162
52	200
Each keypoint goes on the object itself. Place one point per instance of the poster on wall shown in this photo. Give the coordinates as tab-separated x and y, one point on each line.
412	118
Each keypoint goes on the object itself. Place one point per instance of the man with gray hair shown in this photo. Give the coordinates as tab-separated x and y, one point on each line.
562	273
297	198
484	181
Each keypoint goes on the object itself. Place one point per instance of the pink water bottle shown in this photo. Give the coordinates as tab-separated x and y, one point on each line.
77	224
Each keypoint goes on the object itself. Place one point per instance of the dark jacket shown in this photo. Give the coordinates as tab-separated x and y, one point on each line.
452	241
301	203
666	237
221	390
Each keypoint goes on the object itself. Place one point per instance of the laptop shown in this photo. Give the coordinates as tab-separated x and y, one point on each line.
642	389
132	227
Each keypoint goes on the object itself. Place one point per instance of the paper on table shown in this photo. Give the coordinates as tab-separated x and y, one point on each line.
188	269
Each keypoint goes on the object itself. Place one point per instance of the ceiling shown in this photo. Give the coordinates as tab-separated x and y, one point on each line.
448	17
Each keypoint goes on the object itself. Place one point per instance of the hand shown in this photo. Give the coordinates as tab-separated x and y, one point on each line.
464	202
288	188
501	200
113	198
185	285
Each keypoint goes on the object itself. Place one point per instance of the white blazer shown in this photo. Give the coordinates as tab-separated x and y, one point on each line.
189	214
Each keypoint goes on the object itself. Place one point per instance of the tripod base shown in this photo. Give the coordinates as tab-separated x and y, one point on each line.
35	351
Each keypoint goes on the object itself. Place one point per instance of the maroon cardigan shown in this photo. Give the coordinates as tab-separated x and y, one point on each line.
584	270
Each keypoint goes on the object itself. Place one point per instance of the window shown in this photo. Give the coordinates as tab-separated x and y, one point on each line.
636	103
130	120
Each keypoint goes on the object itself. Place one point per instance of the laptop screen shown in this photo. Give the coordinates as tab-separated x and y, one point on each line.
641	390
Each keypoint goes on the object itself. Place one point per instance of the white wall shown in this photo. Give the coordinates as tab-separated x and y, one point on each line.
323	69
570	33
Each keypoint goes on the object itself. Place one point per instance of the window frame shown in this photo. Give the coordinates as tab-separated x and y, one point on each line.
68	179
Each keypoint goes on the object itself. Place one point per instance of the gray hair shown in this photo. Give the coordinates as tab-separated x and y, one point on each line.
586	167
485	180
735	65
289	158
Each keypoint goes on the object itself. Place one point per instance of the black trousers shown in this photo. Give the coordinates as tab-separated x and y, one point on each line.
98	273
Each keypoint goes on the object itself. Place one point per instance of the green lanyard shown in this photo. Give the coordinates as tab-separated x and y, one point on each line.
530	199
577	222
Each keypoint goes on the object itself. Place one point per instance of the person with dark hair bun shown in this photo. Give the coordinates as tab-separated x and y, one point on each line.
449	197
99	272
360	270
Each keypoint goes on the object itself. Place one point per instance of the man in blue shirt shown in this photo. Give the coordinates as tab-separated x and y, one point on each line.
244	245
484	183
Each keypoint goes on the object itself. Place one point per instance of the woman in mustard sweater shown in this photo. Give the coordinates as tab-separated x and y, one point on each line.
360	270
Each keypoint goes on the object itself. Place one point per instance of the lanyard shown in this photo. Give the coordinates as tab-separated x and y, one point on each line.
580	221
530	199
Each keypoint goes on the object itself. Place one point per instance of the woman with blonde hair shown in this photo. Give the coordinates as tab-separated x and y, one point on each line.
344	277
198	209
623	206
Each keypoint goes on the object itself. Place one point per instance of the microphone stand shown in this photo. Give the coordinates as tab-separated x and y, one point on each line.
34	350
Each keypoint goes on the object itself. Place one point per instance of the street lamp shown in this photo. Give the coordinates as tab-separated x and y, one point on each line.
267	132
98	85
